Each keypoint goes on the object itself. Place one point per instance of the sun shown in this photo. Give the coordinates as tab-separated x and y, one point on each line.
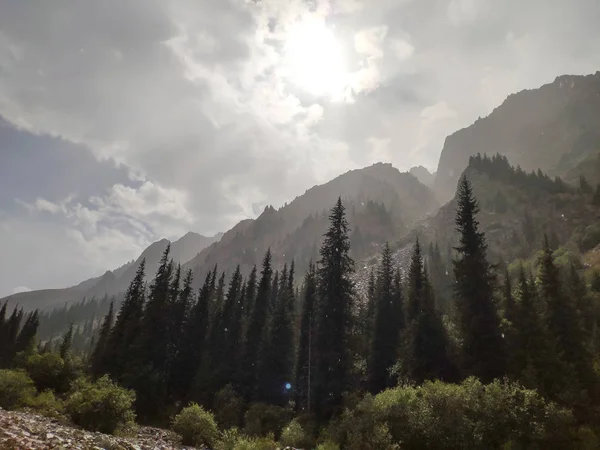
313	59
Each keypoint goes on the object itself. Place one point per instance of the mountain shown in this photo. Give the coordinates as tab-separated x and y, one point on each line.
553	128
517	209
115	281
423	175
382	203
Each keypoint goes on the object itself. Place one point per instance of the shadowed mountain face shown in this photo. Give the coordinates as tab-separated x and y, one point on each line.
114	281
553	128
382	203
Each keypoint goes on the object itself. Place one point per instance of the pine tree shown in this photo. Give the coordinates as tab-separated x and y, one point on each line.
67	342
596	198
509	325
97	360
483	350
306	344
278	354
26	339
250	294
193	347
336	292
530	354
256	326
384	343
426	341
584	186
119	345
563	327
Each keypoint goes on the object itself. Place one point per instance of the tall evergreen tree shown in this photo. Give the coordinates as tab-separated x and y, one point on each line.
119	345
67	342
250	294
336	292
97	360
278	357
256	326
26	339
563	326
596	198
384	343
306	344
426	341
483	350
509	325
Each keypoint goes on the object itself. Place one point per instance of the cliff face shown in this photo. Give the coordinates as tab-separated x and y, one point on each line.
553	128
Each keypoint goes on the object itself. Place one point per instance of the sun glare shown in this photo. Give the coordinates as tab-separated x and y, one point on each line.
314	60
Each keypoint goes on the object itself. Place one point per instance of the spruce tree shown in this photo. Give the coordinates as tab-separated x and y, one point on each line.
336	292
256	327
483	349
306	344
67	342
278	356
425	339
596	198
509	325
563	327
250	294
97	360
26	339
119	345
384	343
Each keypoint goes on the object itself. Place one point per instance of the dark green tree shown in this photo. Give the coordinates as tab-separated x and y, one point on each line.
336	291
98	357
483	349
596	198
306	345
256	327
563	325
66	343
26	339
584	186
384	343
426	342
119	345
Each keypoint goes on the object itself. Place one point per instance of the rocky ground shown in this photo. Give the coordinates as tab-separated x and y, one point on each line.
21	430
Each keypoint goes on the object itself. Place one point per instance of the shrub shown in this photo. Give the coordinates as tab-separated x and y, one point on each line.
47	404
263	443
101	406
228	408
196	426
261	419
50	371
294	435
328	445
16	389
469	415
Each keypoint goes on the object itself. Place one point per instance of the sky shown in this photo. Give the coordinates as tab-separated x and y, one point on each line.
122	122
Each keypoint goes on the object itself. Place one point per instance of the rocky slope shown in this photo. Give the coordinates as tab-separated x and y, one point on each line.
21	430
553	128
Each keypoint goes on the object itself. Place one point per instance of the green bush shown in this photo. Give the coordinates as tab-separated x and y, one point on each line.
196	426
50	371
228	408
328	445
47	404
469	415
263	443
294	435
261	419
101	406
16	389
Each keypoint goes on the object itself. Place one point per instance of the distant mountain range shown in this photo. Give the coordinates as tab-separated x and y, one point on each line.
115	281
553	128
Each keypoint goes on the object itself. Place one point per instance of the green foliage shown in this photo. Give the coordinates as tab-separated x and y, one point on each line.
294	435
196	426
261	419
46	403
100	406
441	415
591	237
16	389
228	407
232	439
328	445
50	371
